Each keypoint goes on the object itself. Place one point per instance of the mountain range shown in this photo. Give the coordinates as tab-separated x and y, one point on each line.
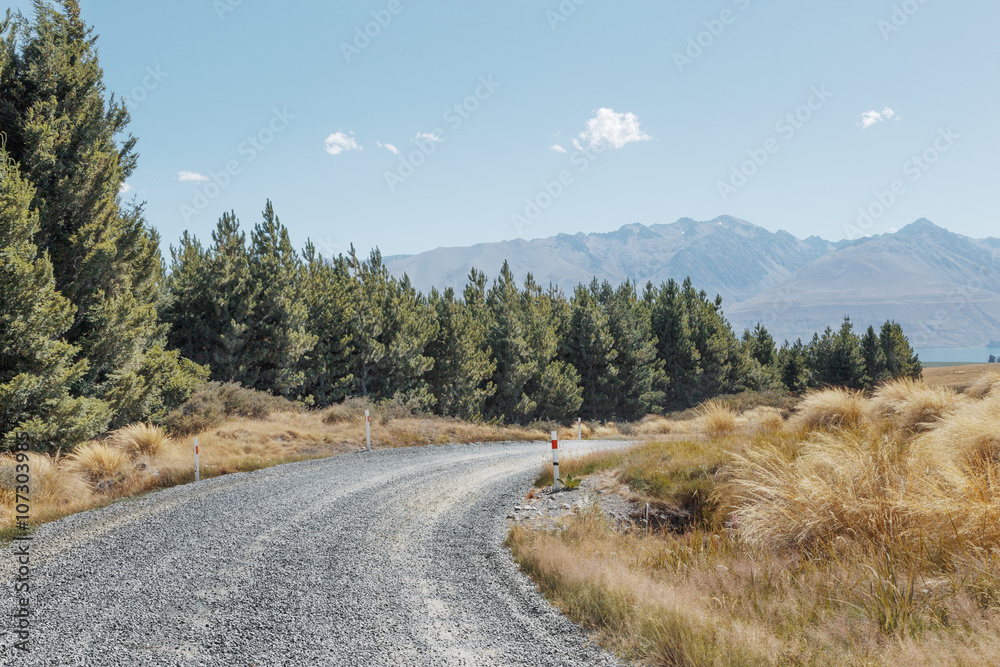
944	288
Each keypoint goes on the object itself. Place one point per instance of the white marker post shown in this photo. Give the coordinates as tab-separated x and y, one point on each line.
555	460
197	466
368	429
579	428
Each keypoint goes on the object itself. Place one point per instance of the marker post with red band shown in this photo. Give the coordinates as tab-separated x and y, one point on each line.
555	460
197	465
368	429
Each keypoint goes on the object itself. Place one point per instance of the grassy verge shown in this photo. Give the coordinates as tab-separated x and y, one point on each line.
863	531
238	431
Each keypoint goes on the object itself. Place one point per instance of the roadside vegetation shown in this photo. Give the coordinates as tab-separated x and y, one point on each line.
239	430
861	530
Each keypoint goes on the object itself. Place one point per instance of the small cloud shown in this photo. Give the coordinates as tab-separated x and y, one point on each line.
613	129
558	149
389	147
872	117
125	187
429	136
339	142
191	176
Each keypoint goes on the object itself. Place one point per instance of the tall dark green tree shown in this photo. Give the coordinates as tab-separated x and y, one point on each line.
589	347
459	379
327	288
675	343
277	338
900	358
793	366
37	367
876	370
640	379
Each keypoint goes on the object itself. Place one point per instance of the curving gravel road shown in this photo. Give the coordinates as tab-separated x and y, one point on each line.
384	558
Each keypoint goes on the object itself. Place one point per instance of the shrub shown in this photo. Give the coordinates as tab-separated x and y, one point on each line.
214	402
351	409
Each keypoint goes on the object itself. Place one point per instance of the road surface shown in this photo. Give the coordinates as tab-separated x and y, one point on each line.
391	557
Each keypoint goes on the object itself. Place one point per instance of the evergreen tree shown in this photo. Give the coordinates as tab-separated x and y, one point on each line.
105	258
793	366
327	291
589	347
212	297
553	389
675	344
506	338
277	338
876	370
640	378
410	326
459	379
836	359
37	367
900	359
368	322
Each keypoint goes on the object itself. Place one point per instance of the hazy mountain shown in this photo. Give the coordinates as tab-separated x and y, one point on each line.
724	256
944	289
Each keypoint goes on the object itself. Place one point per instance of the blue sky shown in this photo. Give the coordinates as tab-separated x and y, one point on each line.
790	115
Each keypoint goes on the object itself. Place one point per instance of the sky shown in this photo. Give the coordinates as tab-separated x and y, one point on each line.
410	124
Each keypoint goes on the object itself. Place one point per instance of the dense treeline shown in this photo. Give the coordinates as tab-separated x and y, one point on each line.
95	333
320	329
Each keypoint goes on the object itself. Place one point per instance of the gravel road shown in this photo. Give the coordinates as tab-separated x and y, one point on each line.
385	558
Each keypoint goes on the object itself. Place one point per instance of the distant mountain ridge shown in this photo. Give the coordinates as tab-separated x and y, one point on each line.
944	288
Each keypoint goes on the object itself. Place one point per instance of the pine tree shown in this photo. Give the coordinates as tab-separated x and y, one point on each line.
793	366
638	384
675	344
327	290
212	300
506	338
368	323
459	379
37	368
105	258
900	359
553	391
875	363
277	338
590	349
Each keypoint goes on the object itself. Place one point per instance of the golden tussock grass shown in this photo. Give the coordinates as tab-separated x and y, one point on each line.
829	408
987	384
864	531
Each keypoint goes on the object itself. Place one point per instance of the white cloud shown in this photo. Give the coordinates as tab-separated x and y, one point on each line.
558	149
429	136
339	142
613	129
192	176
872	117
125	187
389	147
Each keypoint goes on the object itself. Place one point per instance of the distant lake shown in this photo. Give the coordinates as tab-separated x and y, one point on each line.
978	355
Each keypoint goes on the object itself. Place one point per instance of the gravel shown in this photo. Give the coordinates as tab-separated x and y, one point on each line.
385	558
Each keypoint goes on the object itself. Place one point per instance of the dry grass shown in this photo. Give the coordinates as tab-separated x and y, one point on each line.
987	384
829	408
140	457
866	531
716	420
912	405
